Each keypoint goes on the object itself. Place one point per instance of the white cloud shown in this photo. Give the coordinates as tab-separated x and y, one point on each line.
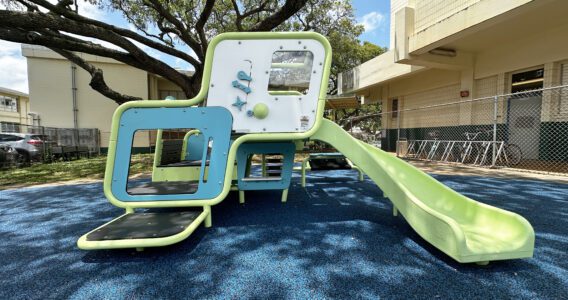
15	71
91	11
372	21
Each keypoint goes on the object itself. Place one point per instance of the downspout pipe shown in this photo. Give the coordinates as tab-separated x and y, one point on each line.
75	108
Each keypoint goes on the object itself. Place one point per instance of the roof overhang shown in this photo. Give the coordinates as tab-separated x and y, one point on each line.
344	102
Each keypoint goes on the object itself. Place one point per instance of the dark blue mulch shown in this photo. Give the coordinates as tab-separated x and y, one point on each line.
337	239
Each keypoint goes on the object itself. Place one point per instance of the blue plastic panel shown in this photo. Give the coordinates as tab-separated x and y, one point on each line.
194	147
213	122
286	149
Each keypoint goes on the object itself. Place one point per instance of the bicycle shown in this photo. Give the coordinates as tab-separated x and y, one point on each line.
477	151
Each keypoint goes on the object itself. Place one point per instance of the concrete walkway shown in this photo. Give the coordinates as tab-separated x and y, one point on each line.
435	167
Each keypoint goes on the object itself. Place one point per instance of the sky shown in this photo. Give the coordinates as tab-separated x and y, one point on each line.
374	15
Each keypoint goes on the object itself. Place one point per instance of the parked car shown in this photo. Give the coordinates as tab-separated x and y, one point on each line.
8	155
29	146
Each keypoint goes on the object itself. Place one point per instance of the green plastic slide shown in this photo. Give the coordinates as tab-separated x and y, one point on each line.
464	229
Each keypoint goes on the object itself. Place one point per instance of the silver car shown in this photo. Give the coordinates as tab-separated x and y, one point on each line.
30	147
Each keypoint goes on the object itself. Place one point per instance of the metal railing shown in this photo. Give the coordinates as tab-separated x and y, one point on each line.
53	143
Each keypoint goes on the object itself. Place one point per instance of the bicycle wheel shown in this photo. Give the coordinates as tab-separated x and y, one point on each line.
514	154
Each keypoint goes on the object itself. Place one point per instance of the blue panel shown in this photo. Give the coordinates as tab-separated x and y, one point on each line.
213	122
286	149
194	147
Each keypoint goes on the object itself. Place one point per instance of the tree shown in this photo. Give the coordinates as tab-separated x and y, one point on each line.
190	23
367	117
181	29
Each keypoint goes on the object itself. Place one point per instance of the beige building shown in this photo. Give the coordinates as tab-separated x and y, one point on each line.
14	110
445	51
61	97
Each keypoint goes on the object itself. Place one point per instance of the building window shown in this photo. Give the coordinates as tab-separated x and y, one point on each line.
8	104
526	81
9	127
394	108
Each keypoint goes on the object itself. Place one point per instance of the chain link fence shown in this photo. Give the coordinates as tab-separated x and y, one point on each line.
526	130
31	144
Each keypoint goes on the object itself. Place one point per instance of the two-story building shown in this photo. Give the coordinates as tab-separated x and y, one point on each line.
14	110
61	97
446	51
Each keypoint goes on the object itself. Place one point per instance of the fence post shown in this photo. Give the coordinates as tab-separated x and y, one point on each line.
495	108
397	133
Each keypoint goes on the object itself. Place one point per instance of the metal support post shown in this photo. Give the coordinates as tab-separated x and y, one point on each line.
495	108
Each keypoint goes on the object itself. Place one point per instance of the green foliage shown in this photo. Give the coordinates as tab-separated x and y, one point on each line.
333	18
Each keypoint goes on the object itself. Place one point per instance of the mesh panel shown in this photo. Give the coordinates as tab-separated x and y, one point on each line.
526	130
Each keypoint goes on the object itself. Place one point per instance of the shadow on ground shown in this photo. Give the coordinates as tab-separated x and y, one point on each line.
335	239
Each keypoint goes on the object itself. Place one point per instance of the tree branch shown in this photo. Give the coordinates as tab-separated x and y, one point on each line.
32	21
121	31
200	25
289	8
97	79
353	121
181	29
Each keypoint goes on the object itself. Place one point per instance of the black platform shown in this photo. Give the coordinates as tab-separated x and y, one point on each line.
335	163
163	188
144	225
185	163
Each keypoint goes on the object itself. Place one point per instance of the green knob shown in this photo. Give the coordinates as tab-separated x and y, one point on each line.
260	110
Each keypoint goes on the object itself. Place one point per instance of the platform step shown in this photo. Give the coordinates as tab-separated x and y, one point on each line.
141	230
274	164
163	188
144	226
253	179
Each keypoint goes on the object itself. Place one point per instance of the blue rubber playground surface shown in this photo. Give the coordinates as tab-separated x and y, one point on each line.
335	239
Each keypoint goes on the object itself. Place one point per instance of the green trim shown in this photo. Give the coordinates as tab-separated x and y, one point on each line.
285	93
186	140
157	149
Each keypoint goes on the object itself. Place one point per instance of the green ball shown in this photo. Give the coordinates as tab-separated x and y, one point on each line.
260	110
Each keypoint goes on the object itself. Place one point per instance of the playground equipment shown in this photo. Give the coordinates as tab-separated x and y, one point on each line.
263	92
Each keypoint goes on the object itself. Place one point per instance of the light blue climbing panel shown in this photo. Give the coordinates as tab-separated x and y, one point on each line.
287	150
218	133
194	150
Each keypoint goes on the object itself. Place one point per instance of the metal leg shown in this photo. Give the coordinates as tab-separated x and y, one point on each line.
242	197
263	165
304	165
209	218
284	195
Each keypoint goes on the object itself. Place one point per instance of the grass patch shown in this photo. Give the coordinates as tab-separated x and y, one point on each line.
86	168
